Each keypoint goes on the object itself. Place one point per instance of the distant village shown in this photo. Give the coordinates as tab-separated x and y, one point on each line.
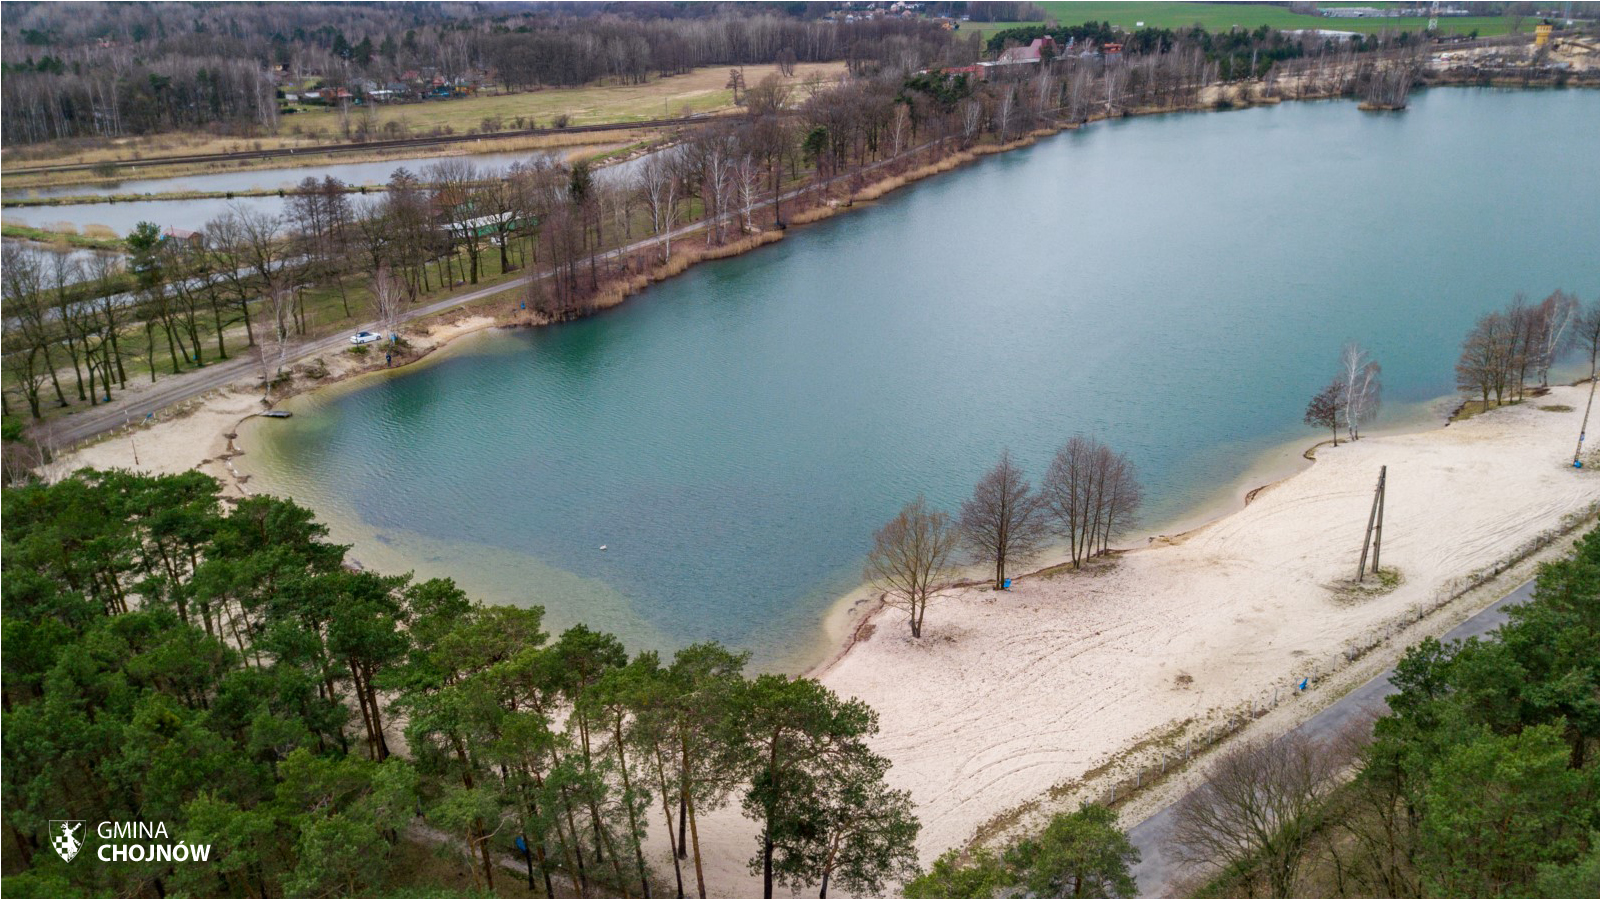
313	89
423	84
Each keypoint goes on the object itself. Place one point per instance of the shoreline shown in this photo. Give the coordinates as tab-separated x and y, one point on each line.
826	202
1268	470
999	711
839	625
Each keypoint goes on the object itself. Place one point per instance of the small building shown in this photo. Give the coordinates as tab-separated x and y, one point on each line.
491	225
192	238
1033	53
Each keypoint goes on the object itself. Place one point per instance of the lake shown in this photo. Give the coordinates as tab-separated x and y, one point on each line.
1177	285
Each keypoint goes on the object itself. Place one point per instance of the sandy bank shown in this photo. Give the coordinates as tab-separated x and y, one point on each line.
202	434
1011	694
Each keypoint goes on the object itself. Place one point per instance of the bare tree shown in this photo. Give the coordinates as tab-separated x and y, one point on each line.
747	182
1326	409
26	341
1092	493
272	350
910	559
1003	521
1259	806
1362	387
900	128
1553	330
661	186
1484	366
1524	321
387	298
971	119
1004	109
1587	332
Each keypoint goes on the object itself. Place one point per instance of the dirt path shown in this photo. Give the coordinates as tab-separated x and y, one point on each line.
1160	874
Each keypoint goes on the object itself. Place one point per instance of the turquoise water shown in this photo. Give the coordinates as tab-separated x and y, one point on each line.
1176	285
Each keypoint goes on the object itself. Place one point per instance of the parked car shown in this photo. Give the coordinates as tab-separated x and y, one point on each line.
365	337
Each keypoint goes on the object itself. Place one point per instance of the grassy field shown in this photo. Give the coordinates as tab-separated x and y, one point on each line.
987	28
703	90
1223	16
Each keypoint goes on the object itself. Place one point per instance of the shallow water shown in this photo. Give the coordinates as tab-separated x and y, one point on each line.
1176	285
193	213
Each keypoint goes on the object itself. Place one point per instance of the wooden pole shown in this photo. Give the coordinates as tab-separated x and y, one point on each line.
1583	430
1377	533
1366	540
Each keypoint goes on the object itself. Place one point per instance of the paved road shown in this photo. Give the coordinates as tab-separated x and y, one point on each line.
1158	871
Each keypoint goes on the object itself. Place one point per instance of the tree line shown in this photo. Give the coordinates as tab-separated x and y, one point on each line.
254	272
227	672
1482	780
1090	495
109	72
1507	347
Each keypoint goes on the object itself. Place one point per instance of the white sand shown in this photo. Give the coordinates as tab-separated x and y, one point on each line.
1009	694
187	437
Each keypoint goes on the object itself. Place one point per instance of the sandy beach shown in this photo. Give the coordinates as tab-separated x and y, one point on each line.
1010	694
1019	703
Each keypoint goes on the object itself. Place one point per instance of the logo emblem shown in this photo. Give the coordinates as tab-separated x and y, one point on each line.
66	838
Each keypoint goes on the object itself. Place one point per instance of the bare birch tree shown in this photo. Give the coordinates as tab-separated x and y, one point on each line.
1004	108
971	119
910	559
272	350
388	296
747	183
1553	329
659	182
900	128
1362	387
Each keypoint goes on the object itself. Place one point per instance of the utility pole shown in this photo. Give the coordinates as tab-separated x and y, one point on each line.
1583	430
1377	533
128	425
1374	520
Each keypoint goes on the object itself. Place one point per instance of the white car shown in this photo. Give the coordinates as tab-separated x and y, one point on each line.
365	337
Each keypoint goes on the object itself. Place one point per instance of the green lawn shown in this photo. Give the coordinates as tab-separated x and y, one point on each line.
1223	16
987	28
